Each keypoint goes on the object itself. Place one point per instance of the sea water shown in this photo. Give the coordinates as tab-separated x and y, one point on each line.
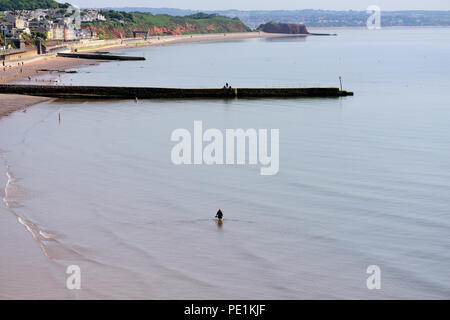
362	180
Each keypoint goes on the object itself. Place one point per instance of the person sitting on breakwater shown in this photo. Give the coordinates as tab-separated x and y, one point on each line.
226	86
219	215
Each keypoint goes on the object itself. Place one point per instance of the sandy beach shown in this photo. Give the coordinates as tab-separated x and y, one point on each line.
10	103
29	70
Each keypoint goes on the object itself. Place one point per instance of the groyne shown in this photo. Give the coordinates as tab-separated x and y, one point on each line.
101	56
103	92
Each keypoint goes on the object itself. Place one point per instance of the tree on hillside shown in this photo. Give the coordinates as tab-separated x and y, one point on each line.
10	5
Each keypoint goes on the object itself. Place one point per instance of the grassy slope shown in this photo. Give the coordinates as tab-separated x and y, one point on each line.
122	24
8	5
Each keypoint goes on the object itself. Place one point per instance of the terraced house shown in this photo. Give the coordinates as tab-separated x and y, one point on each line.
49	24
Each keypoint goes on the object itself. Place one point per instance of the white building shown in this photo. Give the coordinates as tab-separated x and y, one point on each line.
90	15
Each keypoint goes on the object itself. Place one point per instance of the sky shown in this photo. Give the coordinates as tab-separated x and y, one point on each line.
387	5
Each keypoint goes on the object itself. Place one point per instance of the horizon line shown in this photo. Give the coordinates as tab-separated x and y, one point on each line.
247	10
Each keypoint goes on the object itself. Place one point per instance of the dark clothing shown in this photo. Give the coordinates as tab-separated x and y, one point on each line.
219	214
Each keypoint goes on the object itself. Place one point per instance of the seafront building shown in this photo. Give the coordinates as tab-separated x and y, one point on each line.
50	24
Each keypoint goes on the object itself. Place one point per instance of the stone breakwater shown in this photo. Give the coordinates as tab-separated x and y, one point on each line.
99	56
103	92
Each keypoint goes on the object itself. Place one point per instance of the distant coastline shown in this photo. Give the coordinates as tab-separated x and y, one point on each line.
317	18
382	27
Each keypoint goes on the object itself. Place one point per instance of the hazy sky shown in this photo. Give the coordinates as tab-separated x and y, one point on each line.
270	4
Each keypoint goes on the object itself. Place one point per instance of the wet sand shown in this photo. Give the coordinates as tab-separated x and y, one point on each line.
10	103
30	70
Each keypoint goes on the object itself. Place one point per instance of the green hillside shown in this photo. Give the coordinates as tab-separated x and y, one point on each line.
9	5
121	24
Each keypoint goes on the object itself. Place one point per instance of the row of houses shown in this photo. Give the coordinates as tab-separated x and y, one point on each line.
54	24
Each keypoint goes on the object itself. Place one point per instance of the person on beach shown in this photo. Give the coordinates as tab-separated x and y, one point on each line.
219	215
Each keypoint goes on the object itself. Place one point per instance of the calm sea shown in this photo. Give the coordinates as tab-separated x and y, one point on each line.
363	180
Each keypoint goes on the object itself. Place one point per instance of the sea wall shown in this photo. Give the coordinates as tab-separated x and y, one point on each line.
18	54
99	56
82	44
101	92
94	43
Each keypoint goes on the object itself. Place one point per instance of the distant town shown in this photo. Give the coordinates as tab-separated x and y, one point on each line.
19	28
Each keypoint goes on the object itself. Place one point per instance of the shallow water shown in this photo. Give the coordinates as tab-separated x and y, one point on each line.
363	180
